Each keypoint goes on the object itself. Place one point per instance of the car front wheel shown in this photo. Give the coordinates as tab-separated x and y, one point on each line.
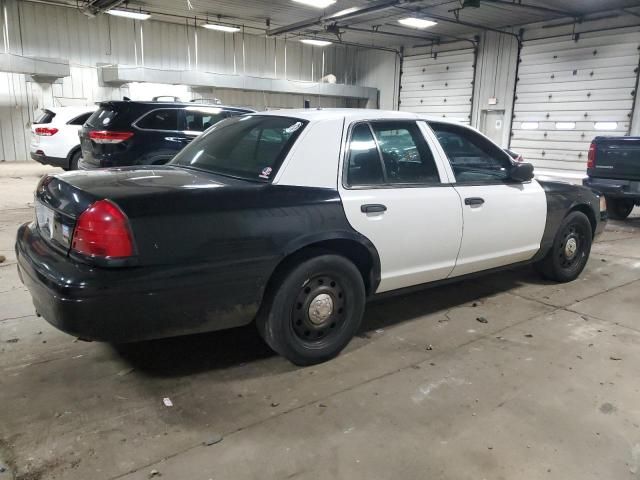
570	251
314	310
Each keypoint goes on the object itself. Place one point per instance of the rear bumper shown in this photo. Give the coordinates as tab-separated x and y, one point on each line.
135	303
61	162
614	188
84	165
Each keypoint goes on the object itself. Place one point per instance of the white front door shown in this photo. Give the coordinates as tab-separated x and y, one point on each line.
503	220
396	193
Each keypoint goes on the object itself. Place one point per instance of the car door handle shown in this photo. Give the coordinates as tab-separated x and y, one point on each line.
473	201
373	208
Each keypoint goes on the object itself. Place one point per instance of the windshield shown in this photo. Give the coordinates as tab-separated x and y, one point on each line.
250	147
102	118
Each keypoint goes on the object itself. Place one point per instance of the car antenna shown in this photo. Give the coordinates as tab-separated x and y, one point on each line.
126	99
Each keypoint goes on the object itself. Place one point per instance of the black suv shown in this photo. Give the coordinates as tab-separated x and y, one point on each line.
126	132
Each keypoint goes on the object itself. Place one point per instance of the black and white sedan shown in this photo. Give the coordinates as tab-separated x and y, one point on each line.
292	219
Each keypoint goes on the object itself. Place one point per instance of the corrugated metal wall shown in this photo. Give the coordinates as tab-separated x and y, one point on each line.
57	32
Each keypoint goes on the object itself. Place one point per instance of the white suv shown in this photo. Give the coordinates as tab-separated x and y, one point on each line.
54	136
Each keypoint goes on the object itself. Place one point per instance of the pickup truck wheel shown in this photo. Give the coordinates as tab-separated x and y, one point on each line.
570	251
315	311
619	208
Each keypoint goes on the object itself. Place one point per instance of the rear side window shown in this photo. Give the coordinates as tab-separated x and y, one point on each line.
251	147
390	153
102	118
199	119
163	119
44	116
473	158
364	166
79	120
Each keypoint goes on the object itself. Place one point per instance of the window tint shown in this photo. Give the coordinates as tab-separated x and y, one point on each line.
45	116
166	119
473	158
364	167
249	147
102	118
79	120
199	119
407	157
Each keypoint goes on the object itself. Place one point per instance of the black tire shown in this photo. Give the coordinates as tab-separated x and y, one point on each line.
73	161
574	235
305	335
619	208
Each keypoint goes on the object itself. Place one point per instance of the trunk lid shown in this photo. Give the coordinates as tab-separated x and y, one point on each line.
617	158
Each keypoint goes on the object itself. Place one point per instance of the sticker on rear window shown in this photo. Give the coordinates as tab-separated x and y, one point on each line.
265	173
293	128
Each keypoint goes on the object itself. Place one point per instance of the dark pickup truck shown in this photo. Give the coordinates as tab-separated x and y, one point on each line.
613	168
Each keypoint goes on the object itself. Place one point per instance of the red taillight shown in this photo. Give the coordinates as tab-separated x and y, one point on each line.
591	158
106	136
46	131
102	230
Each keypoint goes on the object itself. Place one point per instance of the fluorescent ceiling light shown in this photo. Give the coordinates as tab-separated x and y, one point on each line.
317	43
129	14
344	12
415	22
529	125
316	3
606	125
565	125
221	28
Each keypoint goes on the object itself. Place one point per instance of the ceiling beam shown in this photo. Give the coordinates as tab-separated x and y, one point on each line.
541	9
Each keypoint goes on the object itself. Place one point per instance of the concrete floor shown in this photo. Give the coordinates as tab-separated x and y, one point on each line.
548	388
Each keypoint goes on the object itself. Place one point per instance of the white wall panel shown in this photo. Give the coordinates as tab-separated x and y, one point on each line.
583	81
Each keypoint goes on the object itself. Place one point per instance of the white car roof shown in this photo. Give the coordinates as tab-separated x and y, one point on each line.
351	114
64	114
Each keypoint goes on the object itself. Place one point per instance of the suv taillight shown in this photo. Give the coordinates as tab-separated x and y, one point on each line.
106	136
591	158
102	230
46	131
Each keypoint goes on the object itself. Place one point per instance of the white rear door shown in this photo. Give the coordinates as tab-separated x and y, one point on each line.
396	192
503	220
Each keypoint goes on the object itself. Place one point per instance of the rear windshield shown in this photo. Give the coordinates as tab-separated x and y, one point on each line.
250	147
44	116
102	118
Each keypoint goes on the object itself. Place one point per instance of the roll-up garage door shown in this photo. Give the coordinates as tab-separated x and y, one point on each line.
439	84
570	91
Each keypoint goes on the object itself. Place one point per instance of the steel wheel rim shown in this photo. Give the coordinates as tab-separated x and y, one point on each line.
571	248
319	309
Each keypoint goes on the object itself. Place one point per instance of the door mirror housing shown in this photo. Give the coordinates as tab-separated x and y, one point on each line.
521	172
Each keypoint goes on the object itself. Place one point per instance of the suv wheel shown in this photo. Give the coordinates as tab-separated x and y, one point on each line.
619	208
315	311
570	251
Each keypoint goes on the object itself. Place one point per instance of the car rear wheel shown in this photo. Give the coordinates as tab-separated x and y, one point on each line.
570	251
315	310
619	208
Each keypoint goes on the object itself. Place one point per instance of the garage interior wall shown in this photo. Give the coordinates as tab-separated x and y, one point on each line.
39	30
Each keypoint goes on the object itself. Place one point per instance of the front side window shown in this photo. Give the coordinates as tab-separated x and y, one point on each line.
473	158
164	119
248	147
389	153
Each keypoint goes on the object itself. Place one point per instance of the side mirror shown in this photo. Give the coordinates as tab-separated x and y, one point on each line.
521	172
